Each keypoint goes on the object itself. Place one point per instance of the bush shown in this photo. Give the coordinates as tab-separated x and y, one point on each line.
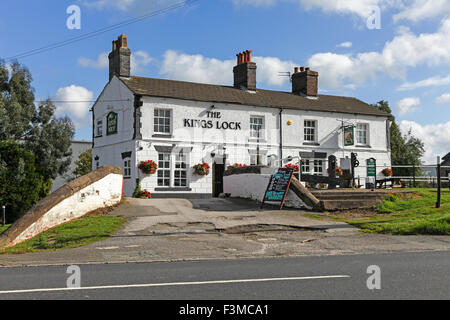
21	186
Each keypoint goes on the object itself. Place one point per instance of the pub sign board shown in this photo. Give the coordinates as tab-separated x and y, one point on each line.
371	167
111	123
278	186
349	136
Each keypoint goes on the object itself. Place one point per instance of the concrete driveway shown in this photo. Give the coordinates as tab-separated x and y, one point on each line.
180	229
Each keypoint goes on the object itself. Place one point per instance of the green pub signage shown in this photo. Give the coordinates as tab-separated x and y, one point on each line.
371	167
111	126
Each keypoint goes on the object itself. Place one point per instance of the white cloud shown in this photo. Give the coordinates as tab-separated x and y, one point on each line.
423	9
139	59
347	44
74	101
444	99
102	62
406	50
430	82
436	138
362	8
197	68
407	105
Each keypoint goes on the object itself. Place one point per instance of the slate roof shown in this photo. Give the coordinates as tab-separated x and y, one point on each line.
262	98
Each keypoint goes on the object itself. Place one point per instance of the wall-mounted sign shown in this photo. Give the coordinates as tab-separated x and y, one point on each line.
371	167
210	124
111	123
349	136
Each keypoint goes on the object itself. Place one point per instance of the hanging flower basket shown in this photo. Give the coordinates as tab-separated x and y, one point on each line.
293	166
202	169
148	167
387	172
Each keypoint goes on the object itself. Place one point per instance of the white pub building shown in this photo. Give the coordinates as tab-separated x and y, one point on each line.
181	124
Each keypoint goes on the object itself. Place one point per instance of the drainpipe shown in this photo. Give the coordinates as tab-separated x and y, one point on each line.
281	135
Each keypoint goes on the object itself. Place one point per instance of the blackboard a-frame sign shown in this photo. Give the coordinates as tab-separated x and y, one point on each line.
278	186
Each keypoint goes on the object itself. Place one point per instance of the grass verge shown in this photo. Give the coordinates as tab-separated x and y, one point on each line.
413	215
70	235
3	228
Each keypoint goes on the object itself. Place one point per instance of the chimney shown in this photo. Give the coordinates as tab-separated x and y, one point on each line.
245	71
119	58
305	82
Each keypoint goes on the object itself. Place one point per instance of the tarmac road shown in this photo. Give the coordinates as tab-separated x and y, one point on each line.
403	276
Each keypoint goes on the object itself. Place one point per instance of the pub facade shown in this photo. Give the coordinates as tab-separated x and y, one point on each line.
193	131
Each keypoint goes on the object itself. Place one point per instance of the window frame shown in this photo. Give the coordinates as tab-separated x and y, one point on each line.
315	128
99	128
127	174
367	134
158	126
259	134
172	170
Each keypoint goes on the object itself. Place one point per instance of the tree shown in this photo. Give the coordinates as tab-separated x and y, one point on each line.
48	137
20	182
405	149
84	164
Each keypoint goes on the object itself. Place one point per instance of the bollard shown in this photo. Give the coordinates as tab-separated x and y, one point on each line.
4	215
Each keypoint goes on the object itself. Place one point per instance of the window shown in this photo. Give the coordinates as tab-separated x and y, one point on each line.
162	119
127	169
305	166
362	134
318	167
111	123
256	127
180	174
164	170
173	170
99	128
310	131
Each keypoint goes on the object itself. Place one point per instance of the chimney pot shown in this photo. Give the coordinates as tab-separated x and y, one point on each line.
249	55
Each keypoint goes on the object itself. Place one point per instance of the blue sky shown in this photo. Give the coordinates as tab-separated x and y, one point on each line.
406	62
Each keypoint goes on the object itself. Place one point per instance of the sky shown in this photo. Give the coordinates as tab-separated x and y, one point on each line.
393	50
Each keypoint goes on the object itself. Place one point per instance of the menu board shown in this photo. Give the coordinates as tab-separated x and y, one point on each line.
278	186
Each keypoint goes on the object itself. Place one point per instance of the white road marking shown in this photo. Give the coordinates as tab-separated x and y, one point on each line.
170	284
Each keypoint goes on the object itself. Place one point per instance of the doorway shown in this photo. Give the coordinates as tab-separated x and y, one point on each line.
218	172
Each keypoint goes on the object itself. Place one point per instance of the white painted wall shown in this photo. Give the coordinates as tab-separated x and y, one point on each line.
103	193
253	186
237	142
